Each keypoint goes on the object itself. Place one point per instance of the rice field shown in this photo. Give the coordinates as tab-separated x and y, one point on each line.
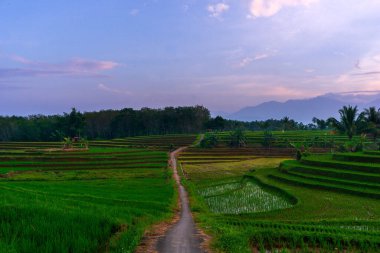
321	139
259	203
251	199
158	142
101	200
242	197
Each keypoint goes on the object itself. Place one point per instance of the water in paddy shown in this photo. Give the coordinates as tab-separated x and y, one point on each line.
242	197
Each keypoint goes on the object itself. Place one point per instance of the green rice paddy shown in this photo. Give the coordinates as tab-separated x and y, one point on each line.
251	199
242	197
100	200
324	203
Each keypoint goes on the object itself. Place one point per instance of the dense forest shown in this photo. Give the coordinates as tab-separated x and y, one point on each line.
127	122
108	124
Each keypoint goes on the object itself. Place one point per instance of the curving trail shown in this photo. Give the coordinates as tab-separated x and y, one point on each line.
183	237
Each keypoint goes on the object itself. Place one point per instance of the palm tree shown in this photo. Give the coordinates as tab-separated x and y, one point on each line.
321	124
372	118
349	121
372	115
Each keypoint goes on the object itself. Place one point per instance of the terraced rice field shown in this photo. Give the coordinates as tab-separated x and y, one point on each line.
324	203
101	200
159	142
357	174
320	139
249	199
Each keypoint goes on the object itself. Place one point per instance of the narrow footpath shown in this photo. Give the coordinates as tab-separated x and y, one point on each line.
183	236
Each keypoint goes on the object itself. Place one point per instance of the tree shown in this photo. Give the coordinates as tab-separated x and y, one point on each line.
75	123
349	122
288	124
372	118
321	124
218	123
210	140
268	139
237	139
302	149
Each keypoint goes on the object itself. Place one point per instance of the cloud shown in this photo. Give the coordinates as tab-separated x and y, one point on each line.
106	88
73	67
20	59
309	70
216	10
364	75
260	57
248	60
244	62
368	65
267	8
134	12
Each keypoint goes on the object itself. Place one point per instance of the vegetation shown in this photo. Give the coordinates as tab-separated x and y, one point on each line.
237	139
105	124
350	121
83	201
243	196
372	118
209	140
325	203
245	190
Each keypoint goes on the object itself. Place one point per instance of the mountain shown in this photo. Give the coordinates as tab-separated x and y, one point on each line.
304	110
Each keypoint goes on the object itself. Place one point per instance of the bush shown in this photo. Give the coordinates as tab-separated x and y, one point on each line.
209	141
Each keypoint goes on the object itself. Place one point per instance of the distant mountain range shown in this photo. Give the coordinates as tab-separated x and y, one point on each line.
303	110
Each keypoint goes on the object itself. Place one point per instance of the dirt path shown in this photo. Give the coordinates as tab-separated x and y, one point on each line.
183	236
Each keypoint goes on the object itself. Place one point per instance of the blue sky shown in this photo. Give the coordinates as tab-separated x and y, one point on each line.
222	54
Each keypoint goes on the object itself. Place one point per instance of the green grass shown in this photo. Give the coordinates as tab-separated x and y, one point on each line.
245	196
319	219
91	209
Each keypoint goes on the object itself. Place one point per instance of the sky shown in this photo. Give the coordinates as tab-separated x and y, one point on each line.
225	55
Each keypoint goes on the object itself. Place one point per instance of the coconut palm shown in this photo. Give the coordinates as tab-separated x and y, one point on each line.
372	118
321	124
350	121
372	115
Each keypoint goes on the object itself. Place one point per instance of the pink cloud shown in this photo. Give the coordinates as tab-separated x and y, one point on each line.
73	67
267	8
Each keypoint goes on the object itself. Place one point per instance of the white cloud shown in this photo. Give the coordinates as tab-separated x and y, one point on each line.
216	10
267	8
244	62
364	76
106	88
260	57
368	65
248	60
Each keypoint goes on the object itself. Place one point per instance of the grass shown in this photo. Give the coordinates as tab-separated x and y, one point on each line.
99	208
315	219
321	139
245	196
158	142
103	199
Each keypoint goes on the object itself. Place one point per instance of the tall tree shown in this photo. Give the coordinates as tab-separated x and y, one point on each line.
321	124
349	122
75	123
372	118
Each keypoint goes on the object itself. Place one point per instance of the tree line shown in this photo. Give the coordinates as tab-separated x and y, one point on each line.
105	124
108	124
